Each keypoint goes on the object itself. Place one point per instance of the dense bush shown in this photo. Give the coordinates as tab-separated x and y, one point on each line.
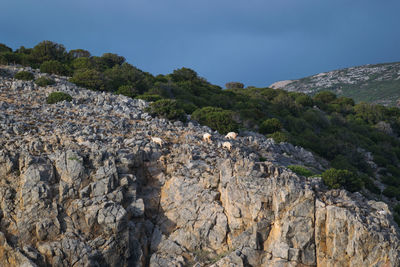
78	53
216	118
4	48
279	137
335	179
300	170
127	90
43	81
53	67
24	75
270	126
325	97
233	85
91	79
47	50
124	74
304	100
55	97
392	192
167	108
183	74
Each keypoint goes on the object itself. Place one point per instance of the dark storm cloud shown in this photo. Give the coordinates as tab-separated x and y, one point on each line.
256	42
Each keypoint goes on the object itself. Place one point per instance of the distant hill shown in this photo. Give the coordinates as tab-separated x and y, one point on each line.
379	83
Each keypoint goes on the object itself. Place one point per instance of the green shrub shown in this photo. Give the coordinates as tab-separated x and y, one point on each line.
216	118
390	180
335	179
396	218
300	170
150	98
187	107
279	137
304	100
24	75
183	74
391	191
53	67
43	81
81	63
370	185
48	50
397	208
234	85
124	74
270	126
325	97
58	97
4	48
167	108
127	90
88	78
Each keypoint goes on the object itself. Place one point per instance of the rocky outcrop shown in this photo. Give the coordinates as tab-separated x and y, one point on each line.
82	184
369	83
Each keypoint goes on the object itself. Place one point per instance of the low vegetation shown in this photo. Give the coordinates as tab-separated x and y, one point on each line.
167	108
301	170
43	81
24	75
55	97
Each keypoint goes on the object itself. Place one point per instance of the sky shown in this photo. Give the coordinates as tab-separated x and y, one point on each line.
256	42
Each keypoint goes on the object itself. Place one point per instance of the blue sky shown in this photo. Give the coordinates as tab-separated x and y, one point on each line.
252	41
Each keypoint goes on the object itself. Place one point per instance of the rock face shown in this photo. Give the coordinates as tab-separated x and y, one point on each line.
82	184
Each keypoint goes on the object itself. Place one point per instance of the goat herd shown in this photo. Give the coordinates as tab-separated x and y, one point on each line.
206	138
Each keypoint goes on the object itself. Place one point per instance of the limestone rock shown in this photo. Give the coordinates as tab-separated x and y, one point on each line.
81	184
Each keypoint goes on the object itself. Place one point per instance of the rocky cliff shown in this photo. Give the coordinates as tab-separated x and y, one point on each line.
82	184
379	83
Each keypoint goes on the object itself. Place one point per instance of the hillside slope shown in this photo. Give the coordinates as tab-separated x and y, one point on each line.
82	184
378	83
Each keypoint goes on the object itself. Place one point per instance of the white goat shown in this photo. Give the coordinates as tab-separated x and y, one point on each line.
207	137
231	135
157	140
227	145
